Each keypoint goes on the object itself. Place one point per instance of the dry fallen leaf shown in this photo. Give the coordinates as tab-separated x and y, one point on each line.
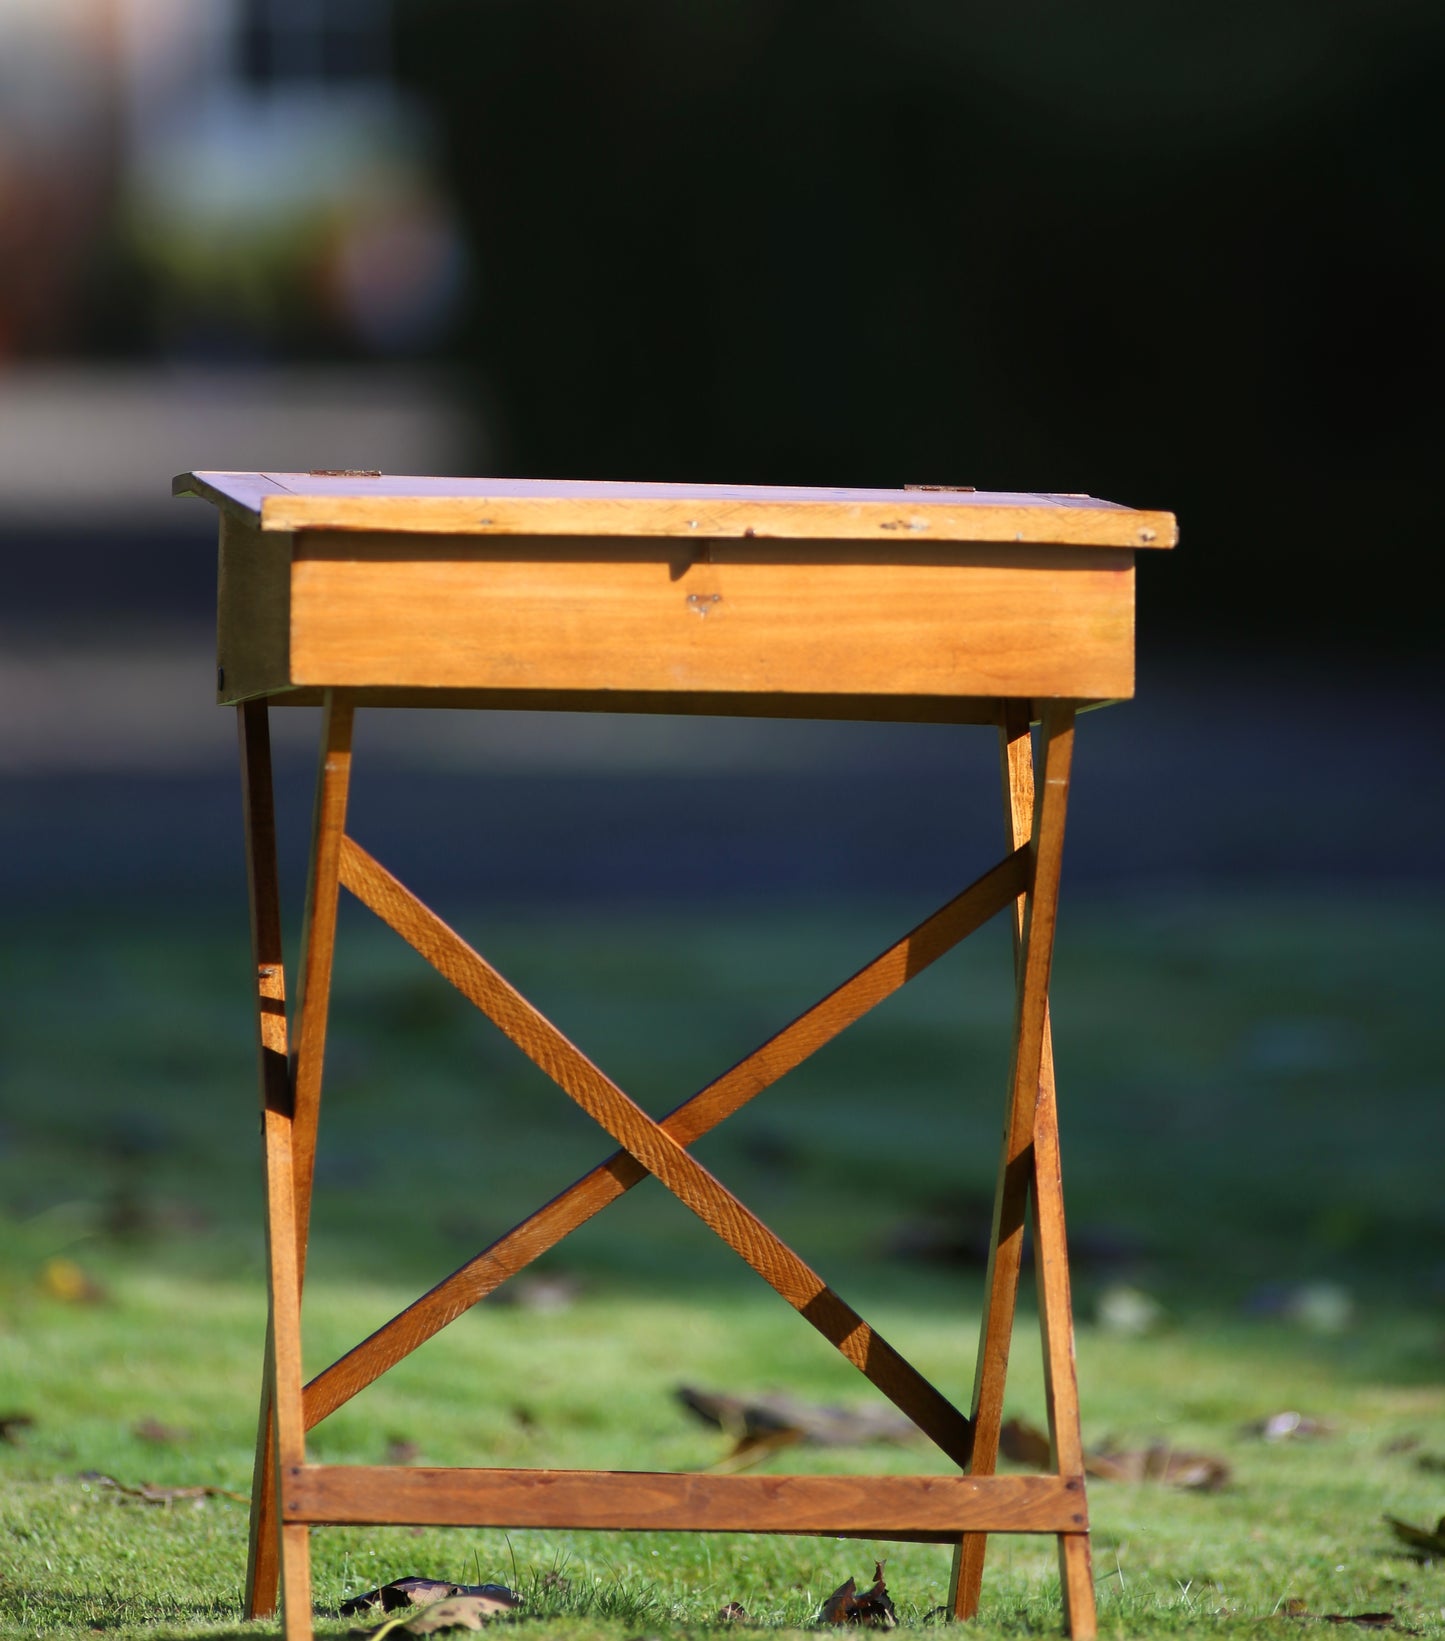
1421	1539
1202	1472
819	1426
1024	1444
846	1606
1369	1621
1199	1472
414	1591
733	1613
65	1280
459	1612
149	1493
163	1435
752	1449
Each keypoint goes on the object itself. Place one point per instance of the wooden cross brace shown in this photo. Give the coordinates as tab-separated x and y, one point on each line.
290	1495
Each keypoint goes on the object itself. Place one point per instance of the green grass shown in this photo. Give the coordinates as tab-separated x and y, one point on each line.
1251	1109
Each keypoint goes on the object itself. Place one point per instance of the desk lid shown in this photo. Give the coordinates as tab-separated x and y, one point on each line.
592	507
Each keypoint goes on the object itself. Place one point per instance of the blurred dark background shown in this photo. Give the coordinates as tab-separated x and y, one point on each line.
1177	258
1183	258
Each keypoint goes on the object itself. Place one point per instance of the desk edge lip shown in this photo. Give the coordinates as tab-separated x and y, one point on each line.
1007	524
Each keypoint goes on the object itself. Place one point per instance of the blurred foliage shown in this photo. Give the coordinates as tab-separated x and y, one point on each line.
1177	257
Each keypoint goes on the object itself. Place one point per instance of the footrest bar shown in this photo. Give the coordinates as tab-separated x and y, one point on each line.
903	1507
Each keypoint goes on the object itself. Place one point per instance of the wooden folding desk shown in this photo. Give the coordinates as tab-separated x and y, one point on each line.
350	590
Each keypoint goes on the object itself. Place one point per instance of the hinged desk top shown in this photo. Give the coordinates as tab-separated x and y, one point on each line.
592	507
923	602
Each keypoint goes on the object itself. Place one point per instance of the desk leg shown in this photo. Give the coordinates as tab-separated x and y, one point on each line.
258	808
280	1552
1036	816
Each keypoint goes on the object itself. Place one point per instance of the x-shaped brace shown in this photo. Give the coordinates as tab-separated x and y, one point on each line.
659	1148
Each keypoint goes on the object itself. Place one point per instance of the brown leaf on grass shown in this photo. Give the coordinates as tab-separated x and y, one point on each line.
63	1279
414	1591
149	1493
399	1450
846	1606
1198	1472
819	1426
1024	1444
459	1612
749	1450
11	1424
1202	1472
1369	1621
1420	1539
1295	1608
733	1613
163	1435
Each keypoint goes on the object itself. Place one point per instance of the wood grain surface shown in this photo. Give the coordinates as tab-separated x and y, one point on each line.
657	1150
372	611
1036	810
318	943
481	506
259	820
642	1500
686	1123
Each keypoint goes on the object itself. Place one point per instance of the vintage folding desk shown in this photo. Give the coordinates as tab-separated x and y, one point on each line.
925	603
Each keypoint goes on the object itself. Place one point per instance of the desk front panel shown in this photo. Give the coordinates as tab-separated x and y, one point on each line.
736	617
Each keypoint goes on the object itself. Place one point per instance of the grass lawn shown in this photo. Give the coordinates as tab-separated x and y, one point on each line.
1253	1128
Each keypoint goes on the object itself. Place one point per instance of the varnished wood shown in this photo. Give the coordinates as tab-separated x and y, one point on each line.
890	709
930	606
695	1117
258	816
394	585
390	610
318	940
656	1149
1061	1387
641	1500
1039	811
593	508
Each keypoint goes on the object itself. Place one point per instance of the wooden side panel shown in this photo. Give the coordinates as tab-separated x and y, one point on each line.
253	612
1021	621
641	1500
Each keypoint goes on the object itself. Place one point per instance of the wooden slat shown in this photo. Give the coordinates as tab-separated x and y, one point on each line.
258	815
1038	814
1056	1325
373	611
892	709
318	941
465	506
357	1495
686	1123
655	1148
